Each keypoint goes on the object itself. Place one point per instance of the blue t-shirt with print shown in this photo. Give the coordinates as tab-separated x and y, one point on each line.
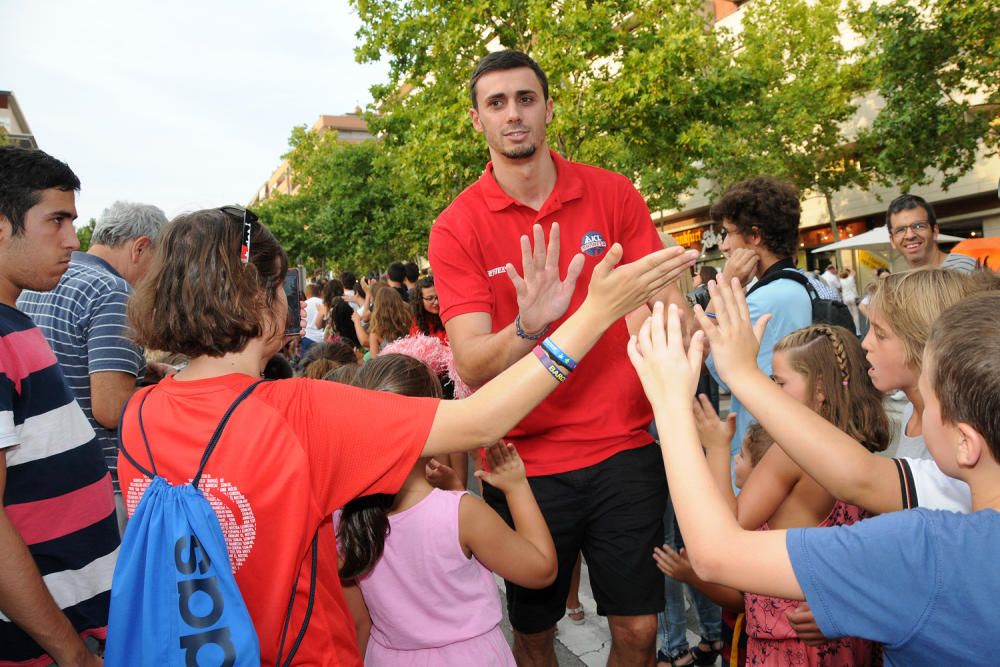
924	583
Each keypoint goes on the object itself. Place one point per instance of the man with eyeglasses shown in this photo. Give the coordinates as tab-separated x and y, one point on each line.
913	231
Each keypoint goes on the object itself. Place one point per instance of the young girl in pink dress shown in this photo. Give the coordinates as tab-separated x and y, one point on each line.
424	558
823	367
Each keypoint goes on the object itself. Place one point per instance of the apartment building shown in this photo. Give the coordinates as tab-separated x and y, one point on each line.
350	128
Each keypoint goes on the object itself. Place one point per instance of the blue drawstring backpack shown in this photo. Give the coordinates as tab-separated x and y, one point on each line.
174	599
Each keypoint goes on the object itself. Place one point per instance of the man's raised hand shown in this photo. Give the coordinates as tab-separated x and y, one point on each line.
542	298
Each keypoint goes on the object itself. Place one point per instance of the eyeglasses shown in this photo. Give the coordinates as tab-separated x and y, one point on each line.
248	217
916	227
430	299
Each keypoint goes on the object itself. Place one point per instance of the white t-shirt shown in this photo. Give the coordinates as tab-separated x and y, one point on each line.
910	447
832	280
312	310
923	484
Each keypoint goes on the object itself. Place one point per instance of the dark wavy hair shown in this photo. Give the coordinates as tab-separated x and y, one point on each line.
504	60
764	203
24	173
198	298
427	322
364	522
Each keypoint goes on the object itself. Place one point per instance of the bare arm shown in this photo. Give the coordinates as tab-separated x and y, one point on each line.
542	298
498	406
677	566
109	391
766	488
480	354
525	555
720	550
26	601
715	436
840	464
321	311
359	612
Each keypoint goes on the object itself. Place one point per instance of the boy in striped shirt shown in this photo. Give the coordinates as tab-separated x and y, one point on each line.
58	534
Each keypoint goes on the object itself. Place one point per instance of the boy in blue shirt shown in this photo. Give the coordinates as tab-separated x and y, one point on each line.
921	582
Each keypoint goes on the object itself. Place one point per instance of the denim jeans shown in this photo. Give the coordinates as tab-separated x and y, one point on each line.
671	624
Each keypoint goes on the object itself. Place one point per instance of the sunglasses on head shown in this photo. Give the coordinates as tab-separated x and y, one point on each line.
248	217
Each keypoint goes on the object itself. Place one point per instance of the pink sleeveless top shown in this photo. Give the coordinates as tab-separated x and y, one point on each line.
429	604
771	640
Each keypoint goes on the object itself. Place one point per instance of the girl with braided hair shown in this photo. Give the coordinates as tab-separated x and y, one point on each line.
824	368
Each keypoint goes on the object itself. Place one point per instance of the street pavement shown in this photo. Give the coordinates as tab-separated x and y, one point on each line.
589	643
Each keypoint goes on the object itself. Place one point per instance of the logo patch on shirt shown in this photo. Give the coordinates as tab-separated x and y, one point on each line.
593	244
231	507
496	271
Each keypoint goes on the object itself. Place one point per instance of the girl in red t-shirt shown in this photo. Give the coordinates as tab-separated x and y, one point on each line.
296	450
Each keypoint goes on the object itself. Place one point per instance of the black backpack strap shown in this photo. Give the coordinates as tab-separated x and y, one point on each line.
121	442
218	431
309	607
907	486
787	274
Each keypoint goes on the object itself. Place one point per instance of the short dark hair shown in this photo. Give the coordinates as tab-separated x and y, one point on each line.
198	297
504	60
396	272
348	279
965	374
707	273
412	271
24	173
766	203
907	202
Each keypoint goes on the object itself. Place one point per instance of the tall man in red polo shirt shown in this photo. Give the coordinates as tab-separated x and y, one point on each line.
591	463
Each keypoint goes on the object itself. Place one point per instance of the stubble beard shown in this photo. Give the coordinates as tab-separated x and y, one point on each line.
520	152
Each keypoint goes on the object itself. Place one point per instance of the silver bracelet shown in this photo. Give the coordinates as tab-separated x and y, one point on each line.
521	333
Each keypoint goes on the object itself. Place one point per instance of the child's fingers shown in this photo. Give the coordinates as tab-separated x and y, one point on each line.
705	406
643	340
696	352
760	326
715	290
740	294
706	323
673	343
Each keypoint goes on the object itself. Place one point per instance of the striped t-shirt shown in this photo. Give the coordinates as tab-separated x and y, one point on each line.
58	492
85	322
958	262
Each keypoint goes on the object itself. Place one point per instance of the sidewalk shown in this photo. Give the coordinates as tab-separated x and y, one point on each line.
587	644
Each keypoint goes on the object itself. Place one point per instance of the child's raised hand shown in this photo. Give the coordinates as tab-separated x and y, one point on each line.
618	290
673	564
713	432
506	467
734	340
664	368
441	476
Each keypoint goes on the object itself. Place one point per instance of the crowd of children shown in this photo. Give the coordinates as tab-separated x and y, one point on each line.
342	503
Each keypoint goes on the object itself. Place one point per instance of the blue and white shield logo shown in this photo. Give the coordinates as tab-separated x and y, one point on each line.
593	244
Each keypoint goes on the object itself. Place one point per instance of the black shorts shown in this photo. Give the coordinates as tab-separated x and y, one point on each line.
611	511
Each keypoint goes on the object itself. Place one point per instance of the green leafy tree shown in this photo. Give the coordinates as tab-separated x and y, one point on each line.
936	64
790	90
85	233
631	80
4	137
348	211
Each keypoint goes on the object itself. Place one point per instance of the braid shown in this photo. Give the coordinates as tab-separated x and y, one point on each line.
838	351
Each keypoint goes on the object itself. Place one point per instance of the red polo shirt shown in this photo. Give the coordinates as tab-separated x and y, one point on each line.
601	409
